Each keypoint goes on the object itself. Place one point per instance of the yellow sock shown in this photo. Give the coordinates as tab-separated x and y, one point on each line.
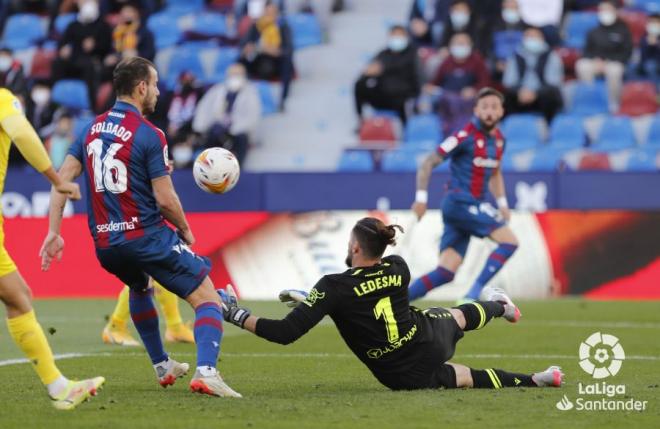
30	338
169	303
122	312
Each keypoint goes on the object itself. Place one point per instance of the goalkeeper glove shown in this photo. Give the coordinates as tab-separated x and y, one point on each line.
231	312
293	297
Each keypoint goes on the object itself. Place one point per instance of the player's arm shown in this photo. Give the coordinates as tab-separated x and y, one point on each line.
170	206
20	131
423	177
496	186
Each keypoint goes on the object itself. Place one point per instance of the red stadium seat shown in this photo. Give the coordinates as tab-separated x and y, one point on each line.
636	22
638	98
103	96
377	130
595	161
42	64
569	57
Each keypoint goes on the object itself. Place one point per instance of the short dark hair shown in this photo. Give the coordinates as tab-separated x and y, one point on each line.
129	73
488	91
374	236
398	27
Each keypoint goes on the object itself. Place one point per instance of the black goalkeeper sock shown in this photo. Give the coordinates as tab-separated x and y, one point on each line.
496	379
478	313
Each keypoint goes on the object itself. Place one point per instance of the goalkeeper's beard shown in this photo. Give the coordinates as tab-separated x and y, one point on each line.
349	260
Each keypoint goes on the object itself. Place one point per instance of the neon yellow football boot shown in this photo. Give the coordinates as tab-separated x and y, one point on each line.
77	392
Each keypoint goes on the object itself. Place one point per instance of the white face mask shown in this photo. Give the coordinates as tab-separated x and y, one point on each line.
510	16
397	43
534	45
89	12
653	28
460	52
40	96
5	63
234	83
459	19
607	17
255	8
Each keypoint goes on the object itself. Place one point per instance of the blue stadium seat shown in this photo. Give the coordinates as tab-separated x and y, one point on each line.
268	103
648	6
653	138
567	132
590	99
615	134
399	160
183	59
226	57
522	131
62	22
505	43
71	93
356	161
305	29
165	28
643	160
422	128
209	24
80	122
22	31
183	6
578	25
547	158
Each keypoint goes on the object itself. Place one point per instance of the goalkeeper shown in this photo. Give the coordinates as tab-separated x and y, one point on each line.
405	348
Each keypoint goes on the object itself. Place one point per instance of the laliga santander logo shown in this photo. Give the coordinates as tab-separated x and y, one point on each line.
601	355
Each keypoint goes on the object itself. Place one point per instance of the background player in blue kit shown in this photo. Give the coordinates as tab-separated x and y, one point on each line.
129	196
476	153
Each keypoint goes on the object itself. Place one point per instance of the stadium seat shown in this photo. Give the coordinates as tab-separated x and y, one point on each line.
183	6
643	160
377	129
615	134
636	22
80	122
103	95
567	132
306	30
268	104
399	161
638	98
225	57
209	24
569	57
590	99
183	59
356	161
648	6
62	22
578	25
165	28
22	31
547	159
423	128
505	43
522	131
594	161
42	63
653	138
71	93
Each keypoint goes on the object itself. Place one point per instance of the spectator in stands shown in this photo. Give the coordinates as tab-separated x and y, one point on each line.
533	77
427	21
12	76
267	50
59	142
181	107
229	113
460	76
649	64
391	78
461	20
507	31
130	37
84	47
544	14
607	51
39	108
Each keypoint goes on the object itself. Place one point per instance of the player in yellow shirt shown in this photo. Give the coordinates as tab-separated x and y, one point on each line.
14	292
116	331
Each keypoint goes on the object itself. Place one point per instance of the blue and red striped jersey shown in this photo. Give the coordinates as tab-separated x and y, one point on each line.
121	153
475	154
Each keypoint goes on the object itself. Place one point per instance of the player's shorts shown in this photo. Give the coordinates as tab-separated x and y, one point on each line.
463	219
163	256
430	370
7	265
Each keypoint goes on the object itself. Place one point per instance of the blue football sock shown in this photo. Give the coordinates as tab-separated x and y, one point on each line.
495	262
145	319
208	333
429	281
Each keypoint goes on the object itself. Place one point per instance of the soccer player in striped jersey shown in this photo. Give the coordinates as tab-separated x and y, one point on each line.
476	153
130	195
15	294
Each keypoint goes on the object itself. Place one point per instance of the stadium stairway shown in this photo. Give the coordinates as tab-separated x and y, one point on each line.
319	120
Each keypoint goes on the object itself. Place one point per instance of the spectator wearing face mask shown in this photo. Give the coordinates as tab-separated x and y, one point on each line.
461	20
608	49
86	43
507	35
544	14
649	63
533	77
391	78
12	76
39	108
229	113
427	21
60	140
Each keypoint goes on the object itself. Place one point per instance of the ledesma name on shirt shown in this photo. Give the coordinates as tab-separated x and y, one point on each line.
377	284
110	128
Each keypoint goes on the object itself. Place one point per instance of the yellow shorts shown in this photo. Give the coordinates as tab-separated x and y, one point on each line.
7	265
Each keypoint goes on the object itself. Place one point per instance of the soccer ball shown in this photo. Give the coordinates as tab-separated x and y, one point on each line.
216	170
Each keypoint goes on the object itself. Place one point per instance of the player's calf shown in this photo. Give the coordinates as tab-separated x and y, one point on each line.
428	282
490	378
478	313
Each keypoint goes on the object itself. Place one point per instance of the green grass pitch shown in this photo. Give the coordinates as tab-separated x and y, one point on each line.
317	383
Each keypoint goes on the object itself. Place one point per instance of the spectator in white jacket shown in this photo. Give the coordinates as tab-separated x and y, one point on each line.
229	113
